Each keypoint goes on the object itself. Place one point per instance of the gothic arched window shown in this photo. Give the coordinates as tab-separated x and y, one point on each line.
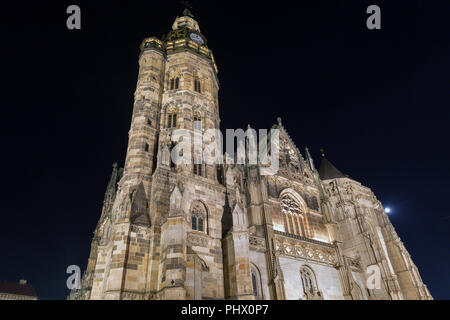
172	118
294	220
310	289
174	83
197	123
198	216
256	283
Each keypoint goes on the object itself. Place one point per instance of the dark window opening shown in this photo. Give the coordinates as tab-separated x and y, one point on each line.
198	169
194	223
200	224
172	120
197	123
197	86
219	174
255	288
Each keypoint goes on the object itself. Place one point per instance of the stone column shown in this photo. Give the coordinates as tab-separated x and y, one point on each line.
237	261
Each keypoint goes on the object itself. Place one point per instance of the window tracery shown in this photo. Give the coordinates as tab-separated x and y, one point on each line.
172	117
294	220
256	283
310	289
198	217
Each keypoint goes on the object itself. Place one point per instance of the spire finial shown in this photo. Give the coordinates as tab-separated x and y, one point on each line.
187	8
322	152
279	121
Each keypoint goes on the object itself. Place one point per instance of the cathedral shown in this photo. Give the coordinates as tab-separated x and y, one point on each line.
224	231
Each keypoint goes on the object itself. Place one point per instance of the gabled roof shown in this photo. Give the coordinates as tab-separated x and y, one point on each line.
285	134
328	171
17	288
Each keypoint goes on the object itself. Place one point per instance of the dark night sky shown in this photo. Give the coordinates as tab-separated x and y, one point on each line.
377	101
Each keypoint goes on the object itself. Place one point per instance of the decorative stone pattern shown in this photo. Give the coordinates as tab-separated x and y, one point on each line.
257	244
306	249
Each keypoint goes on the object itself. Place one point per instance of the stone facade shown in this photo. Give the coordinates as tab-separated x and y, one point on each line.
200	231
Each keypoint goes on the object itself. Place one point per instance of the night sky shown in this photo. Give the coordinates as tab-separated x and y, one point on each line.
376	101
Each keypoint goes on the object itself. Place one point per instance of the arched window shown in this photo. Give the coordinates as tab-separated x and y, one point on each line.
172	117
197	123
256	282
310	289
174	83
198	213
294	220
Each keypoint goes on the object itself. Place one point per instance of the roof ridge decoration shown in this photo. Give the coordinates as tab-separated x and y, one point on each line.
280	126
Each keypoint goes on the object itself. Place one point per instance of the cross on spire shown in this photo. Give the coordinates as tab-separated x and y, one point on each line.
322	152
187	8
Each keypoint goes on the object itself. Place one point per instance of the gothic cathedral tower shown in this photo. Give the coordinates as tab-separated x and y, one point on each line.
162	216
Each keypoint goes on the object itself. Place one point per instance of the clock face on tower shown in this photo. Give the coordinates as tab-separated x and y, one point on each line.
196	38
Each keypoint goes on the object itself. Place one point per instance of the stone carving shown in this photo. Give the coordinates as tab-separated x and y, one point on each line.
310	289
306	250
105	232
239	219
132	296
354	263
257	243
165	154
197	240
175	199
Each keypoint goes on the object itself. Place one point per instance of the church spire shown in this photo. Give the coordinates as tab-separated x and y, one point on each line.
309	159
186	20
187	9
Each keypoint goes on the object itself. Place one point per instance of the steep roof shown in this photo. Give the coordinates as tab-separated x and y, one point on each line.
17	288
328	171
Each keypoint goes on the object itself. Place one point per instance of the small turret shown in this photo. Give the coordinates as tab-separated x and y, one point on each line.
309	159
